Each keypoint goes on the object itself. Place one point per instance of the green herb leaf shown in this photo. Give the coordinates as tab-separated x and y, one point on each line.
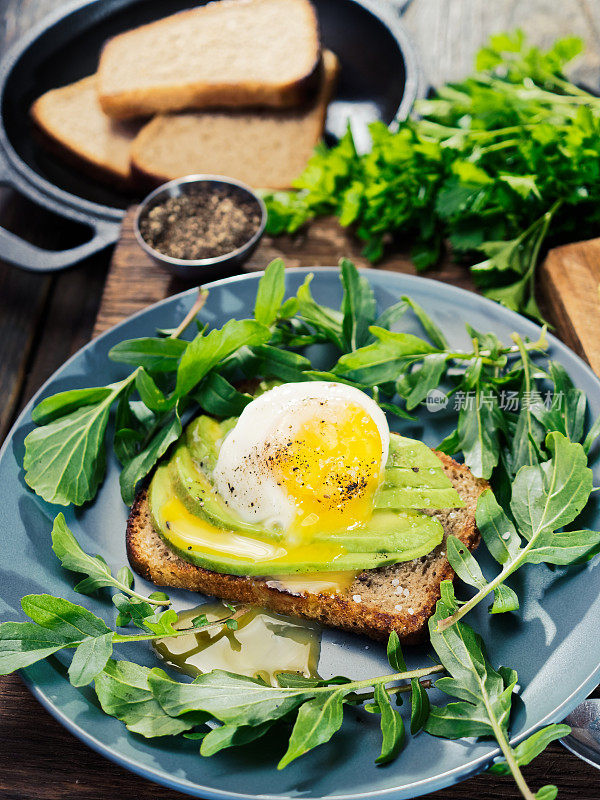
206	351
90	658
58	405
65	460
532	747
231	736
270	293
152	353
318	719
123	691
358	306
392	727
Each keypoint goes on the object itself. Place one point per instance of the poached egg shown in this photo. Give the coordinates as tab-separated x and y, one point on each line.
305	457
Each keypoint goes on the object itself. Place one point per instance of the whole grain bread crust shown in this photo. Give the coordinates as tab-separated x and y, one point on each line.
399	597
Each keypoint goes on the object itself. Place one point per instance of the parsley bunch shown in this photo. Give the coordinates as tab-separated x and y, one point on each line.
499	164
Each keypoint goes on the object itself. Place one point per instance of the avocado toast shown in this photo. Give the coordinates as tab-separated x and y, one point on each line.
398	592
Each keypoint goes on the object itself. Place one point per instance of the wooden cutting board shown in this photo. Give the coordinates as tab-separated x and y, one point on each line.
569	278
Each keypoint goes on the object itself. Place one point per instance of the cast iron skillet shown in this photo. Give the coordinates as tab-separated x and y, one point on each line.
379	80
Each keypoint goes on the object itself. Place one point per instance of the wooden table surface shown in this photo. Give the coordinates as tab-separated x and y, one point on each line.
43	320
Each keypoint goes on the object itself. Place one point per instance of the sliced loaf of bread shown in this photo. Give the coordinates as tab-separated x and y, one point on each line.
74	125
399	597
226	53
263	148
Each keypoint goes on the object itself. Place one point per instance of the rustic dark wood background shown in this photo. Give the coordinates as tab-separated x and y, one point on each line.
43	320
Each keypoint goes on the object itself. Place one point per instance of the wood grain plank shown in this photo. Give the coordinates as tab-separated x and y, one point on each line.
570	283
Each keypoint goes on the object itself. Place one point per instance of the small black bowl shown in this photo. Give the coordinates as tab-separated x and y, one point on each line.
201	268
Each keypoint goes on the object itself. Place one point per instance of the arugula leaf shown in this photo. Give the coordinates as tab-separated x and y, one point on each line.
382	361
72	557
24	643
358	306
123	692
167	432
232	699
58	405
545	497
531	747
216	396
270	293
392	727
231	736
206	351
429	326
483	692
153	353
318	719
65	459
324	320
90	658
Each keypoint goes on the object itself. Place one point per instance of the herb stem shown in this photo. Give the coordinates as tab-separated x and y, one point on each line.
507	751
199	303
120	638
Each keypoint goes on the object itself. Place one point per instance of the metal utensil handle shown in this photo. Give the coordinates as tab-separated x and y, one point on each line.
23	254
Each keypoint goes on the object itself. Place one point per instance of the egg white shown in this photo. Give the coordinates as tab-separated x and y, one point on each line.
242	475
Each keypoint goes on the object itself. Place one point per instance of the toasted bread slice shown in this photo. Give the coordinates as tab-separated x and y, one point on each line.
399	597
76	128
263	148
227	53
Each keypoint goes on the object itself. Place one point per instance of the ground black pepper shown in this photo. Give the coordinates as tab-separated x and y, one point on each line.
203	223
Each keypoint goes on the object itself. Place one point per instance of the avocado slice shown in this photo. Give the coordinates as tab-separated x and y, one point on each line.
204	437
414	478
339	552
194	489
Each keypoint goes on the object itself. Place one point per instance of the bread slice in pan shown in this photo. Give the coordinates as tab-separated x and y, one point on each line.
263	148
399	597
227	53
76	128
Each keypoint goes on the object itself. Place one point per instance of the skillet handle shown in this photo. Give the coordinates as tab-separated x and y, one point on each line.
23	254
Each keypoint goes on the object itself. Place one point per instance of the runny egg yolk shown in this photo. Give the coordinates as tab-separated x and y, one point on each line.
330	468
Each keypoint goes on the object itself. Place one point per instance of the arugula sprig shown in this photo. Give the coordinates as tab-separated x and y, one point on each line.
484	701
546	497
497	164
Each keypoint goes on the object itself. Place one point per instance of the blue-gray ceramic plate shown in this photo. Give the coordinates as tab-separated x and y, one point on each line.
553	641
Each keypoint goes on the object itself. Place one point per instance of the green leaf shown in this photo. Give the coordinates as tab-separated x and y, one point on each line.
285	365
151	395
141	464
65	460
67	619
24	643
551	495
123	691
72	557
483	692
532	747
382	361
206	351
392	727
58	405
324	320
90	658
270	293
394	653
152	353
566	547
358	306
318	719
497	530
231	736
478	426
469	571
216	396
548	792
232	699
420	706
432	330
